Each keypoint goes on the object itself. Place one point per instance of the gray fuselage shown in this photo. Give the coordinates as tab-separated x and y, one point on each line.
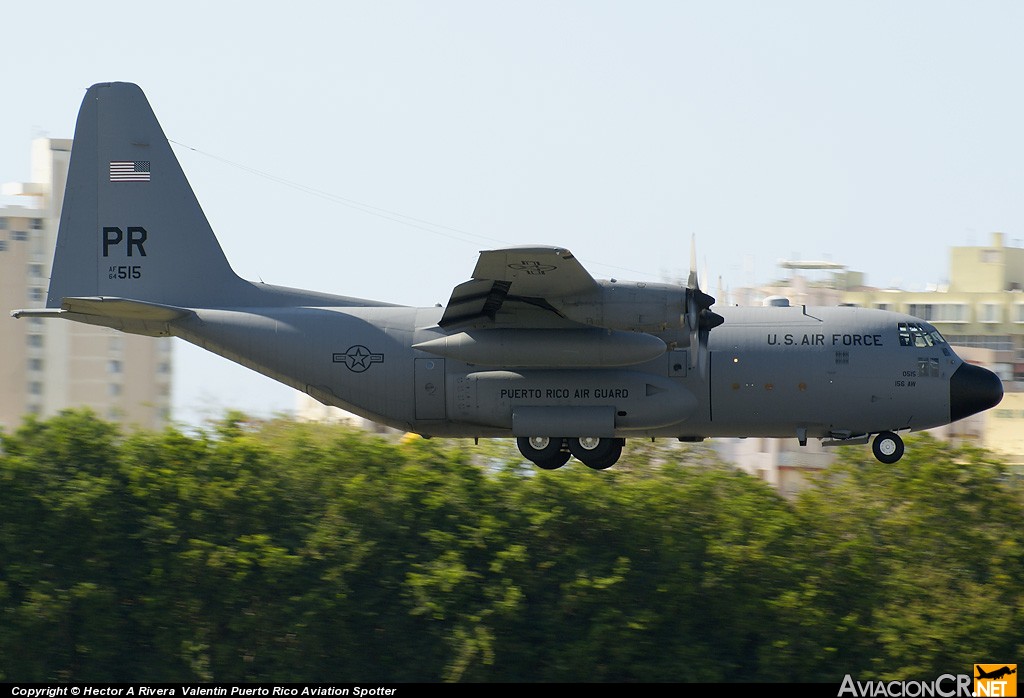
769	372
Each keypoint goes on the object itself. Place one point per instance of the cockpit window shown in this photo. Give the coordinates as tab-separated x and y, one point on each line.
915	334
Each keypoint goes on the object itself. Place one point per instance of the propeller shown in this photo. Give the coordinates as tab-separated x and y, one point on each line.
700	319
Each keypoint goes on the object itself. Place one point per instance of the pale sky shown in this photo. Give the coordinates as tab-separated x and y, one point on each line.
873	134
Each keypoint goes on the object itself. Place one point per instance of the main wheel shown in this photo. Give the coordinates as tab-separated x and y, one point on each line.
596	453
887	447
545	452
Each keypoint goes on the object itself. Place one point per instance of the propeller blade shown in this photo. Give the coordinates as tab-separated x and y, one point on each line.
691	281
694	345
709	320
700	320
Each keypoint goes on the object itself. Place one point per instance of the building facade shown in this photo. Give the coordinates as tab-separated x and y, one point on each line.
50	365
981	307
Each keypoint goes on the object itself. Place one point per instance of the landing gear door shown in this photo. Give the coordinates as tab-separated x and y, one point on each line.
430	389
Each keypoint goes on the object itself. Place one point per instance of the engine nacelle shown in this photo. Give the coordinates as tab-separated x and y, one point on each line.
627	305
553	348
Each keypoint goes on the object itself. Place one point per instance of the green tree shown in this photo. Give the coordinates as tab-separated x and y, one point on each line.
911	569
67	554
275	551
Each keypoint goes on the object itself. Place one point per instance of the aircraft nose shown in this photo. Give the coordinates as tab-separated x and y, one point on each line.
971	390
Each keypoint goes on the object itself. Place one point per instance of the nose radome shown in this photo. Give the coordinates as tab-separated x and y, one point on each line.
971	390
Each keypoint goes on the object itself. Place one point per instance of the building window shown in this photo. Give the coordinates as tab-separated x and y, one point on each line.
1018	312
35	340
921	310
113	389
163	367
35	388
939	312
881	306
951	312
35	364
994	342
3	223
990	312
36	294
36	224
19	235
114	366
35	270
3	245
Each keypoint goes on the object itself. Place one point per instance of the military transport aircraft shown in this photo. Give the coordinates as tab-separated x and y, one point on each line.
532	346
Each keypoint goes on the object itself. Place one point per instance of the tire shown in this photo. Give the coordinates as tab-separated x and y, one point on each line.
596	453
546	453
887	447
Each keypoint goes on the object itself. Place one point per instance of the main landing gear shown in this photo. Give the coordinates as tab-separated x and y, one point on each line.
550	453
600	453
887	447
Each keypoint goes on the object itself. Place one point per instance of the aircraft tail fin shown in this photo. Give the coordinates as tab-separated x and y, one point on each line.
130	226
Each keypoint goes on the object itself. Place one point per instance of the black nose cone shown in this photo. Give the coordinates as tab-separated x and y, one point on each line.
971	390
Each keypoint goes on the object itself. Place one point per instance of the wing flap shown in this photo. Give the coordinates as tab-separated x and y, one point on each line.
474	300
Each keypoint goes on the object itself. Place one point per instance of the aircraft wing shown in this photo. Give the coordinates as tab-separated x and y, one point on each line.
517	282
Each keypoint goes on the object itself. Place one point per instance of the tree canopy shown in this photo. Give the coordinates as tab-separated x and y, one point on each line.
283	551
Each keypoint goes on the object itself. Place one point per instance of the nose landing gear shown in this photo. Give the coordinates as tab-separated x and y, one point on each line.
887	447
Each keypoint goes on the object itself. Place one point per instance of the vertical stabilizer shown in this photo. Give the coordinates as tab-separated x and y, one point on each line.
131	226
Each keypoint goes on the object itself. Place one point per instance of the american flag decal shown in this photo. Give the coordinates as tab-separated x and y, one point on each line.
129	170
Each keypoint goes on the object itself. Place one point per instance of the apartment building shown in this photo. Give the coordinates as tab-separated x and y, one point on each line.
49	365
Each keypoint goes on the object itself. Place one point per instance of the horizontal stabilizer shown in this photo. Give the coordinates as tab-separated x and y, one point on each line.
123	308
123	314
36	312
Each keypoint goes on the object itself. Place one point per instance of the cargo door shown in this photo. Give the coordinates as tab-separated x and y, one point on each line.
429	381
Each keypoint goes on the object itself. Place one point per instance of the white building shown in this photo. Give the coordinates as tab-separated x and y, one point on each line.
50	365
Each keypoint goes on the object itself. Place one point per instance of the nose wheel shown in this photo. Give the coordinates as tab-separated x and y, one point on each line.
887	447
